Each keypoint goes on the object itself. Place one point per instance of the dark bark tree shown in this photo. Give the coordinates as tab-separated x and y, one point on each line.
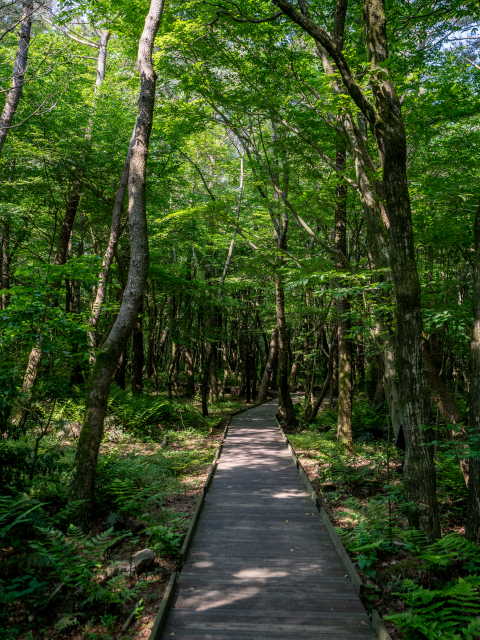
121	369
189	370
83	483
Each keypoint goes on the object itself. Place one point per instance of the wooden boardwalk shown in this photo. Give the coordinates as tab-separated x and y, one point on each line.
262	565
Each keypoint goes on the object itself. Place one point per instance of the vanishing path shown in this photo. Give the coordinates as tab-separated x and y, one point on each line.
262	565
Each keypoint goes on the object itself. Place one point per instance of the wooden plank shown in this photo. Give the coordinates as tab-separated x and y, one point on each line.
349	566
223	634
191	530
209	477
248	598
312	631
357	581
379	627
164	606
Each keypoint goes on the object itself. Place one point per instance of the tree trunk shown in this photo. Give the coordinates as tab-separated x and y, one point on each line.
345	387
379	391
243	341
446	405
121	369
18	78
205	375
137	354
286	411
83	484
472	530
190	392
262	392
115	230
297	358
254	371
63	238
323	393
213	376
389	131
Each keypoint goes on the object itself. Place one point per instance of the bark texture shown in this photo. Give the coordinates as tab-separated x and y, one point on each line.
19	69
83	484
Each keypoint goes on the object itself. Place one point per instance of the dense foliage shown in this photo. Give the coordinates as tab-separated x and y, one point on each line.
311	226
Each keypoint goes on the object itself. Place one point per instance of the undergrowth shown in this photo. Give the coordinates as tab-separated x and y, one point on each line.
55	576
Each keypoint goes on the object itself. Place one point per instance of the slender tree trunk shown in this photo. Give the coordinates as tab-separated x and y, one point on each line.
286	410
31	376
115	230
248	372
190	392
323	393
379	391
205	375
83	484
243	340
254	370
446	405
150	353
345	386
121	369
472	530
19	69
137	354
295	370
262	392
213	376
232	243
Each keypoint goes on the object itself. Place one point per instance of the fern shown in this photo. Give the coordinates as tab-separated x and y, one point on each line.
450	612
450	550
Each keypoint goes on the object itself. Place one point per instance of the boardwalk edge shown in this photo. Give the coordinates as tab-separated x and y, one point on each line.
347	562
